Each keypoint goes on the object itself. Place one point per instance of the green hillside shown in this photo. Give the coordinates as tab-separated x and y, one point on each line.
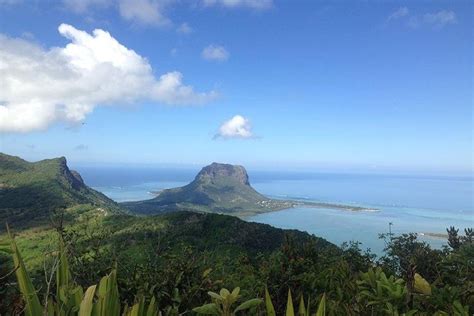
217	188
31	193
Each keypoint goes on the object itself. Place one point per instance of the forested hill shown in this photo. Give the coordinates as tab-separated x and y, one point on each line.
32	192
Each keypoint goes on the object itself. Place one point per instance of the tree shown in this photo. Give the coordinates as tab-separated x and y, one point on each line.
453	238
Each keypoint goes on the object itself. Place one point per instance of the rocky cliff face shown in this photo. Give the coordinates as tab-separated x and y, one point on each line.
218	170
73	178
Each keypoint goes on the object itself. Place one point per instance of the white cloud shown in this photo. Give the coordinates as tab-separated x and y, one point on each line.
82	6
401	12
215	52
253	4
184	28
152	12
435	20
237	127
40	87
144	12
440	19
147	12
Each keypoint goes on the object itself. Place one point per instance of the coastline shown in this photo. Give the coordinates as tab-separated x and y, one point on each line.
274	205
431	235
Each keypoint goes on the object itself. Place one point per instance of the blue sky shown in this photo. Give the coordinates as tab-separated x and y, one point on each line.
325	85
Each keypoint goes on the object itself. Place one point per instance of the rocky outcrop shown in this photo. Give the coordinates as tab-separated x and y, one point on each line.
219	170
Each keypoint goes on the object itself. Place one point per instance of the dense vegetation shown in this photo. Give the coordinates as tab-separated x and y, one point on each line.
104	299
172	261
178	258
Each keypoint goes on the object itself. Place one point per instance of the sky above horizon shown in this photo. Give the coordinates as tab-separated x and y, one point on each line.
323	85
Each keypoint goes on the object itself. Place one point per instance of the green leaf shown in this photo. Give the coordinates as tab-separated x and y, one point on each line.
206	273
224	293
207	309
215	296
135	311
269	304
77	295
235	292
290	311
460	310
248	304
33	306
322	306
87	302
111	303
63	275
421	285
301	308
308	308
152	309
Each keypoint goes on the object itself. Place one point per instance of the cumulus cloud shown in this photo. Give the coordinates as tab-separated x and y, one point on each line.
215	52
40	87
252	4
184	28
401	12
237	127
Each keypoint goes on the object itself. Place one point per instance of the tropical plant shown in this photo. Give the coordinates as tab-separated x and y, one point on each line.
222	305
223	302
378	291
70	299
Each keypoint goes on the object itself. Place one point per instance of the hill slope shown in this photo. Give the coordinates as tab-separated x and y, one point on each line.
31	192
217	188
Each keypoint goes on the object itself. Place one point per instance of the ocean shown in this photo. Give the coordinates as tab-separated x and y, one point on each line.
419	204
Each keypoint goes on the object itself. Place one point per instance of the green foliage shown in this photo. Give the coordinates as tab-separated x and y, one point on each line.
223	303
101	300
269	304
375	292
322	307
34	194
381	293
420	285
32	303
290	311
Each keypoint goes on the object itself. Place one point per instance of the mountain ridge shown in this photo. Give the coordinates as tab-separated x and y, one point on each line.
31	192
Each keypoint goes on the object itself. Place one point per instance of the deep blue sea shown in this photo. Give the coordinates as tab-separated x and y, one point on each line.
419	204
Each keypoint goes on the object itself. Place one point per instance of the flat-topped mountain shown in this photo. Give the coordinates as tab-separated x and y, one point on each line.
218	171
219	188
32	191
